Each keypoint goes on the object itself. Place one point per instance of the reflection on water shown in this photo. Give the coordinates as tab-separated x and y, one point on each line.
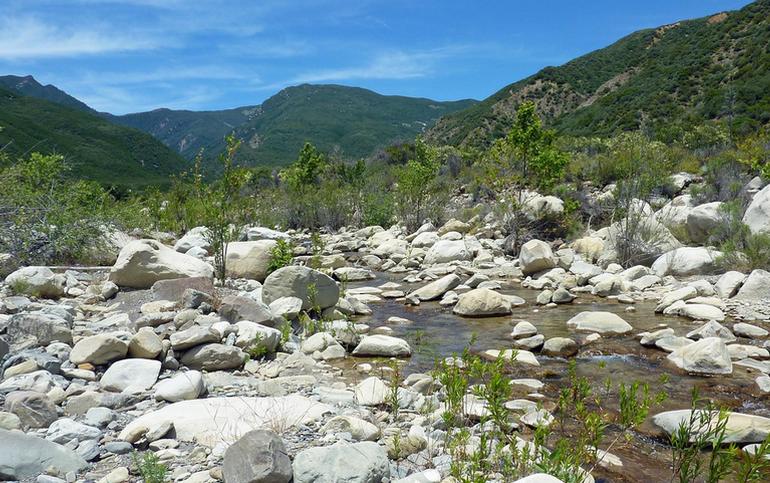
435	332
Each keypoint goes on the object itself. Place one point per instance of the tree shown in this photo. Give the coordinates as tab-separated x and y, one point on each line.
526	157
418	186
224	207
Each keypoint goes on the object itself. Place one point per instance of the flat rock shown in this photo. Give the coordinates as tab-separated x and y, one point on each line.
605	323
24	456
706	356
740	428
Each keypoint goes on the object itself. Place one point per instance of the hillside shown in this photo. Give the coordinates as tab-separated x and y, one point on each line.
97	149
353	120
29	86
666	78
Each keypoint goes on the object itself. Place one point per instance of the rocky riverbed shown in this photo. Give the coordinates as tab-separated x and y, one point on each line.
237	383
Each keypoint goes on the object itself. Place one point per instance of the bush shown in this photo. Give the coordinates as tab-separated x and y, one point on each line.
281	255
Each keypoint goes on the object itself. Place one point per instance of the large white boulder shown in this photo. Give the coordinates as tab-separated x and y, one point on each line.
706	356
739	428
703	220
482	302
600	322
536	256
757	216
296	281
686	261
141	263
198	237
425	239
436	288
755	287
249	259
445	251
37	281
365	462
674	213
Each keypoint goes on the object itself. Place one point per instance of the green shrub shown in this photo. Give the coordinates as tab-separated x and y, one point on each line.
281	255
150	467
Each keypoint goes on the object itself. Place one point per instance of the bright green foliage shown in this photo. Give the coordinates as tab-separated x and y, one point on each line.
419	190
281	255
150	467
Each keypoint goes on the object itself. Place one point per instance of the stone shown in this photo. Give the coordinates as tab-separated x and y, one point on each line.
511	355
364	462
174	289
181	387
353	274
539	478
9	421
193	299
697	312
98	349
686	261
544	297
436	289
37	281
293	281
213	357
131	375
212	421
359	429
145	344
562	296
118	475
536	256
756	286
425	239
729	283
712	329
703	220
445	251
197	237
38	381
259	456
371	392
560	347
194	336
530	343
249	259
45	328
523	329
254	233
30	365
24	456
235	307
482	302
757	215
251	334
382	346
100	417
64	430
749	331
34	410
706	356
141	263
740	428
668	299
744	351
287	307
605	323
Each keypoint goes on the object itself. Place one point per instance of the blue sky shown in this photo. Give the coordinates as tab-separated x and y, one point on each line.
134	55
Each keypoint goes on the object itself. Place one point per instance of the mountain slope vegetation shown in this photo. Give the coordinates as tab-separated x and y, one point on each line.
29	86
94	148
664	80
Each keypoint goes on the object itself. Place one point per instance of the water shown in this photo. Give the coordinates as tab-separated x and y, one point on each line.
435	333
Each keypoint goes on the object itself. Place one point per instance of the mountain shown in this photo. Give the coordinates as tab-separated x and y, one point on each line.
29	86
664	79
352	120
96	149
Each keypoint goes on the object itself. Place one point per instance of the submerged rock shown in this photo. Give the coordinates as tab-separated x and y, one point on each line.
600	322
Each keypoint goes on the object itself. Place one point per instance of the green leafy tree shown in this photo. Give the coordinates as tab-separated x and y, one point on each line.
418	189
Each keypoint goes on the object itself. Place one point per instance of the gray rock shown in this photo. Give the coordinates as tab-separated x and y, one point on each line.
482	302
436	289
99	349
707	356
712	329
742	329
365	462
213	357
174	289
560	347
382	346
145	344
100	417
46	328
600	322
35	410
294	281
740	428
757	215
756	286
536	256
530	343
235	308
257	457
64	430
24	456
192	337
37	281
118	447
686	261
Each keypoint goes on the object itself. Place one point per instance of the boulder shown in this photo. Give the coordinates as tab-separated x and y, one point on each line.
24	456
482	302
37	281
704	357
600	322
454	225
145	344
560	347
359	429
536	256
729	283
436	288
740	428
182	387
697	312
99	349
249	259
141	263
371	392
445	251
45	328
34	409
365	462
703	220
742	329
712	328
353	274
211	421
686	261
174	289
287	307
251	334
64	430
255	233
197	237
756	286
294	281
382	346
425	239
757	215
237	307
259	456
196	335
131	375
213	357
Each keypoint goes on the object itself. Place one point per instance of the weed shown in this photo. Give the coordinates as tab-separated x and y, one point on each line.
150	467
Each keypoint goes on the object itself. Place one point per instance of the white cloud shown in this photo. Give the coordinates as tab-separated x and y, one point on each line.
27	38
